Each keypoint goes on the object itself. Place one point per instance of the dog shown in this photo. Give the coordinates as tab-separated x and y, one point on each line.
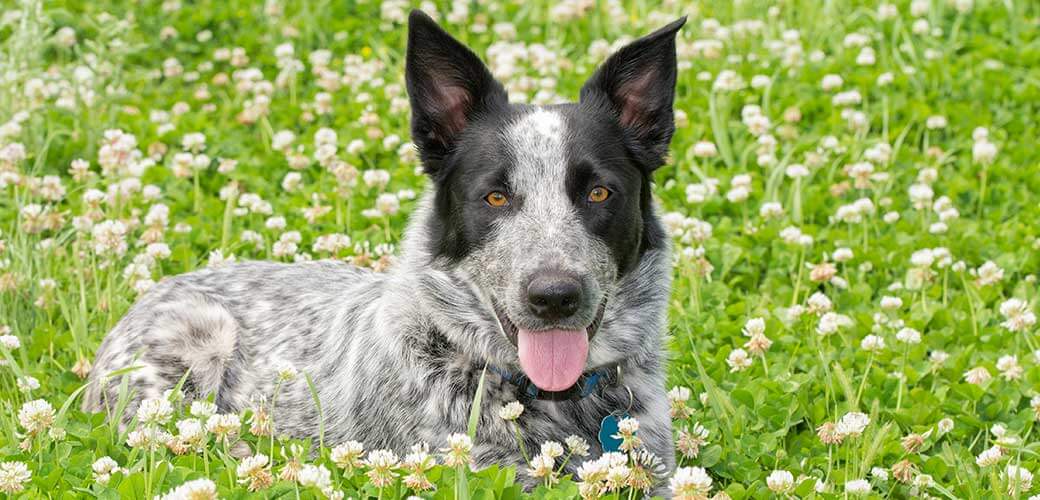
535	262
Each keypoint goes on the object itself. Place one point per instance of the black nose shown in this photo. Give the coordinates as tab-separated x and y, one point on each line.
553	297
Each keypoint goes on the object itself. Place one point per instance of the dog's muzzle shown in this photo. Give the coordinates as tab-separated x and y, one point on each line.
553	359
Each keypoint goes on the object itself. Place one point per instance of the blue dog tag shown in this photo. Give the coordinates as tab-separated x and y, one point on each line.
608	428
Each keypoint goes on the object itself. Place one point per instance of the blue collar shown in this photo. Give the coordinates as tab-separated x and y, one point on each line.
592	382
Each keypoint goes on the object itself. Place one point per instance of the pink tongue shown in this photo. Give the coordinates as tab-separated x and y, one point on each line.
553	359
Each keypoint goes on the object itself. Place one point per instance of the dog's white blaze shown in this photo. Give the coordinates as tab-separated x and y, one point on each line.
538	143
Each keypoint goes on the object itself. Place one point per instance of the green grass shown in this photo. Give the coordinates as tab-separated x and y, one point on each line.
152	70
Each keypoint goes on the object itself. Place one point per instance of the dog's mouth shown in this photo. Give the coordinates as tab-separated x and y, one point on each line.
552	358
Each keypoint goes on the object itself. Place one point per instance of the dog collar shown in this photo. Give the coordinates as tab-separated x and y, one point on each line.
591	382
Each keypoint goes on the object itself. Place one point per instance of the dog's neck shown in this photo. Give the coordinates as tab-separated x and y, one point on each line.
633	323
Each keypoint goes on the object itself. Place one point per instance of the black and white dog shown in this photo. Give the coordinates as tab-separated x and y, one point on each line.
536	253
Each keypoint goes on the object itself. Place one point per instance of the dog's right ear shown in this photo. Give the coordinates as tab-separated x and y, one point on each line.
448	87
637	85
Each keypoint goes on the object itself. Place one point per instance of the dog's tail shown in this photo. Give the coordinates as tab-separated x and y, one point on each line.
187	343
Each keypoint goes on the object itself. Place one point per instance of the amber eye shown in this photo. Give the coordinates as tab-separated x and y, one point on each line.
497	199
599	194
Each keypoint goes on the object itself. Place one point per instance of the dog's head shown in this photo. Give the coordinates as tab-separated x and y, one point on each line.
545	209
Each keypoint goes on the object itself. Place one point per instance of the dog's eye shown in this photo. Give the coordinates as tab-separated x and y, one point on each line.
599	194
496	199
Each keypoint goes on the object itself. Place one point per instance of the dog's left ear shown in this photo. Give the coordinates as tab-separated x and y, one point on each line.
449	87
637	86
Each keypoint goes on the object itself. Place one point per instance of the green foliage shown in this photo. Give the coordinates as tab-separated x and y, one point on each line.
887	172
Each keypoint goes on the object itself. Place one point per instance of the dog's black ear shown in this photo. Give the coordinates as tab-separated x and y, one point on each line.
448	86
637	86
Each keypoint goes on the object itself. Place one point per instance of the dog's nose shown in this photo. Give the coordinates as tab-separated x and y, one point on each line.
553	297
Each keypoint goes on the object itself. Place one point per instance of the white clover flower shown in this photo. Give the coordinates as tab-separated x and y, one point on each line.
738	360
617	477
148	438
989	456
13	477
760	81
388	204
872	343
315	476
847	98
577	446
224	424
831	82
922	258
628	425
857	487
818	303
10	342
552	449
989	273
202	409
690	483
705	149
921	195
754	326
842	254
679	394
511	411
381	464
983	152
936	122
154	411
541	466
1009	367
27	383
998	430
831	322
921	27
770	210
254	472
977	376
592	470
347	455
292	181
780	481
1018	317
891	303
110	237
879	473
866	57
796	171
197	489
104	465
852	424
376	178
103	469
190	431
36	416
908	335
194	142
283	139
728	81
791	235
1019	480
458	451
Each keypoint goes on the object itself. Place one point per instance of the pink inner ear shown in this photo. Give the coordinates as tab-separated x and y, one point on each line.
453	102
634	101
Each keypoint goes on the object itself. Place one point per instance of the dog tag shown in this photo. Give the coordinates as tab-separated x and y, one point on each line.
608	428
